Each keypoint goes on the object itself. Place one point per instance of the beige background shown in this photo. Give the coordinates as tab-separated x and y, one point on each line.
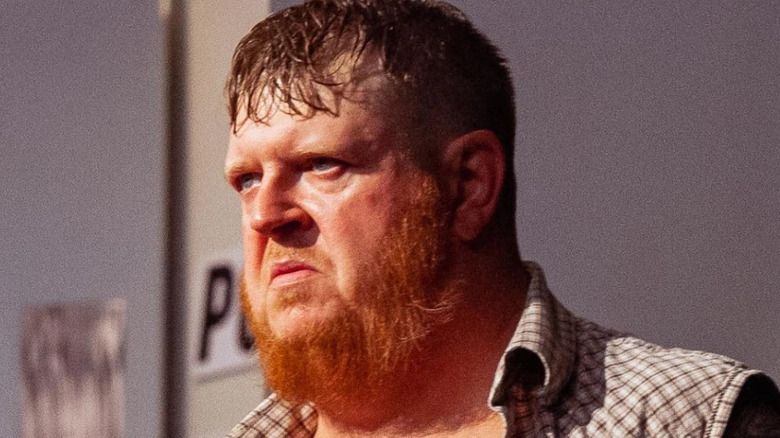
214	28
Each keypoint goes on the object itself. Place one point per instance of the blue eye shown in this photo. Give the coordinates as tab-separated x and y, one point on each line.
322	164
246	181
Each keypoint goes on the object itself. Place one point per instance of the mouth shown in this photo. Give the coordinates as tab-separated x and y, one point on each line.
283	273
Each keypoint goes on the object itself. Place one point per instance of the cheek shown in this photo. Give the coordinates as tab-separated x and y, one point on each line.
253	306
377	211
253	248
354	230
252	293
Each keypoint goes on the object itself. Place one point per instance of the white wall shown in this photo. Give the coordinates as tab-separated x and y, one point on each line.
647	162
81	180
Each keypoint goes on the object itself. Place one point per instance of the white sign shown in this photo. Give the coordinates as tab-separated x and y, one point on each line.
223	341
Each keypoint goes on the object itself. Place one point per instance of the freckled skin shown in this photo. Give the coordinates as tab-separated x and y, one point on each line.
330	216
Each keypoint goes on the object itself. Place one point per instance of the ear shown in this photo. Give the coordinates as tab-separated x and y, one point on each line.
474	164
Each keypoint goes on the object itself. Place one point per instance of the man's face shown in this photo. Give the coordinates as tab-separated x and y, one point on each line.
342	234
317	195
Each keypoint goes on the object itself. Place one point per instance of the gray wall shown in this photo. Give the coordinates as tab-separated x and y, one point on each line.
648	163
81	180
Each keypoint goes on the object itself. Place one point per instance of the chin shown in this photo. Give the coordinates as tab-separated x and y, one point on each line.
299	321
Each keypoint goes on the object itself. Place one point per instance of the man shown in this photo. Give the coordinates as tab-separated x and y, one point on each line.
371	148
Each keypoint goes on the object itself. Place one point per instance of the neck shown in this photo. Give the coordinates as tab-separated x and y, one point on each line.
445	391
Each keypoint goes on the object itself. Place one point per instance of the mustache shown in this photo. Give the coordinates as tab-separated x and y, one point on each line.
309	256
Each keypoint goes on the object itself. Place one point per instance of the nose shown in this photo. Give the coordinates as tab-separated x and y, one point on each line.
276	213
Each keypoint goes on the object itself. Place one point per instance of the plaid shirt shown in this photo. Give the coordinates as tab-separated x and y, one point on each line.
562	376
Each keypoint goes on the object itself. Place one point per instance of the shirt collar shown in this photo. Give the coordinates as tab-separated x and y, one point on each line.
543	348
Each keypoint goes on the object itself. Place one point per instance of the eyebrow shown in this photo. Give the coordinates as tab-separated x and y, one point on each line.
235	168
360	147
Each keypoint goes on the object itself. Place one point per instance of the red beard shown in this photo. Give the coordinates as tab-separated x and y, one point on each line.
402	298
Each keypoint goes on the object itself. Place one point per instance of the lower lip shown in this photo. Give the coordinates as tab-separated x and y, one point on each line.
291	277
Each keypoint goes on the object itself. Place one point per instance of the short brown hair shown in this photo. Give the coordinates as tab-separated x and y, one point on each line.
448	73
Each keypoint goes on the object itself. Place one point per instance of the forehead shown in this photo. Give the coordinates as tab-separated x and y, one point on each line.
358	132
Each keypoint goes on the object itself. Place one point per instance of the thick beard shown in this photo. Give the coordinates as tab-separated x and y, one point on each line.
402	298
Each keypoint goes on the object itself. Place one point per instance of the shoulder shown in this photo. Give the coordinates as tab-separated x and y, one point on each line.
647	368
651	368
643	386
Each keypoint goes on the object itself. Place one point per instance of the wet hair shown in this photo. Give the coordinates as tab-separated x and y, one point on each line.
446	76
